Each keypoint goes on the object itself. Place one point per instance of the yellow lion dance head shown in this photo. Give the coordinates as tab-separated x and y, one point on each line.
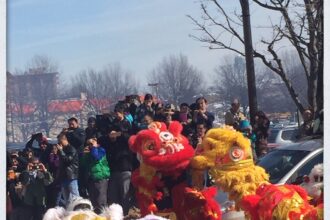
228	156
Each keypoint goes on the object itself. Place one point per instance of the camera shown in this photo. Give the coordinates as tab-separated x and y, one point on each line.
104	122
37	136
35	167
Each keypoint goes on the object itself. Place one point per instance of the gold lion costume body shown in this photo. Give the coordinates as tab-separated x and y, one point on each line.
228	156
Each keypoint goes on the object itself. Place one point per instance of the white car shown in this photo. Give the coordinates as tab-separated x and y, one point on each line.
282	136
288	164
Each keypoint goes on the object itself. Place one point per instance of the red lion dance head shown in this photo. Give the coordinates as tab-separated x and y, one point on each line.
167	151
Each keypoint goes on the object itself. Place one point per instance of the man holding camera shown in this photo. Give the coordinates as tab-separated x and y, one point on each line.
76	135
68	168
44	147
34	180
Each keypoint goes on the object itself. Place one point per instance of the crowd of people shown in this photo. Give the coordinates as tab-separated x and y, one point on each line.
96	162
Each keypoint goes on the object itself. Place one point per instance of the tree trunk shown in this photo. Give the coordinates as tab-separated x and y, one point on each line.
252	91
319	91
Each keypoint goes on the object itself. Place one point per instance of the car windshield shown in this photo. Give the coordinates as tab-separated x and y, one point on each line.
273	135
277	163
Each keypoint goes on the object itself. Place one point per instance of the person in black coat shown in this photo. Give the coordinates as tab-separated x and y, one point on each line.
201	115
142	110
121	159
261	129
91	131
68	168
77	137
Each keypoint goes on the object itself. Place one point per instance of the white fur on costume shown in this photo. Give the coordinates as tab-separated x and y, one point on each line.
113	212
56	213
314	186
152	217
79	201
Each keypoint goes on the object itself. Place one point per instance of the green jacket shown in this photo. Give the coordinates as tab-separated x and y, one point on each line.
97	169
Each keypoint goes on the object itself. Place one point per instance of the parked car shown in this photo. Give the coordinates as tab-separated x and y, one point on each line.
282	136
288	164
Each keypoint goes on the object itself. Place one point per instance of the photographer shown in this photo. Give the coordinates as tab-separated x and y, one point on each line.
34	180
44	147
75	134
98	174
104	121
16	166
68	168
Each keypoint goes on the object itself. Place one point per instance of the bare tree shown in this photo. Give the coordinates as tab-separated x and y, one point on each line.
178	80
110	84
34	87
301	24
121	82
40	64
230	80
275	97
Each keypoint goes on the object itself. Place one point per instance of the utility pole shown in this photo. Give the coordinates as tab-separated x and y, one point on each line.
252	91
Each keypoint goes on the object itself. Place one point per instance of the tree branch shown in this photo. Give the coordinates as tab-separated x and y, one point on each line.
211	39
265	5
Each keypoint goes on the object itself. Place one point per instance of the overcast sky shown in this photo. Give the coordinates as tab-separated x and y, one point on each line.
136	33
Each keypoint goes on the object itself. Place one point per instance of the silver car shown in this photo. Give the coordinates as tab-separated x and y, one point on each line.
282	136
288	164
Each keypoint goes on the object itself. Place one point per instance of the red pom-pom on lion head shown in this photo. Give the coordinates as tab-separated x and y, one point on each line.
164	149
